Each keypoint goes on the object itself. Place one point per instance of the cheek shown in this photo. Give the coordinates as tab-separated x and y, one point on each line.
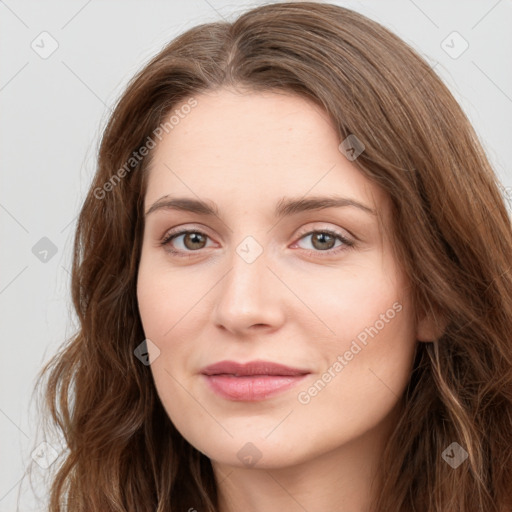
349	299
153	302
369	353
370	362
164	299
366	371
174	306
165	295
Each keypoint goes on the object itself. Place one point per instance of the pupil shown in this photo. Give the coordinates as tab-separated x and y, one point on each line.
321	238
195	239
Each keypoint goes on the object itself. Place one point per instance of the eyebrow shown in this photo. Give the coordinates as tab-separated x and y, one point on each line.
284	208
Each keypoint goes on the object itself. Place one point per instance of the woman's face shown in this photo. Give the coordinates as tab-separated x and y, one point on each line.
269	277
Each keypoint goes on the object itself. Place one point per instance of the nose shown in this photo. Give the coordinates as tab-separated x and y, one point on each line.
249	298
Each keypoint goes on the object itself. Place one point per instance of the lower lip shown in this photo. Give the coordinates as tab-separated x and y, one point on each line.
251	388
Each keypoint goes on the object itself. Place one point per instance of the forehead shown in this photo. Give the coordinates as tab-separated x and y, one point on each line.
254	148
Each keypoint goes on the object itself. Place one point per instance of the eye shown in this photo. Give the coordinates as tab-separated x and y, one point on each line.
324	241
192	240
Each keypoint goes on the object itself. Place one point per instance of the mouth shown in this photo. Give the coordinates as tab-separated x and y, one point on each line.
253	381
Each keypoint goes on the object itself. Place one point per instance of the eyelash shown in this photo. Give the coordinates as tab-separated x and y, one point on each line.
347	244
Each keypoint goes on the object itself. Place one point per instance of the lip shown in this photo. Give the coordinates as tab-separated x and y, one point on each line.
252	381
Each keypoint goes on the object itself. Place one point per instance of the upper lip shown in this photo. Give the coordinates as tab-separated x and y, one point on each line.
251	368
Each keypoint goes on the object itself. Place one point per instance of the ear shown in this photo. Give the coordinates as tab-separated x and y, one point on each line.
430	327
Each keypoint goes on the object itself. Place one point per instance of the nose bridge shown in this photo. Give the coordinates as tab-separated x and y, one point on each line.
248	294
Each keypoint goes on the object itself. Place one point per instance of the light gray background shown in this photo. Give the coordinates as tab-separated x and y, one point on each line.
52	113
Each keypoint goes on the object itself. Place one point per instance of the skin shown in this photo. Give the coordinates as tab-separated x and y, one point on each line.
299	303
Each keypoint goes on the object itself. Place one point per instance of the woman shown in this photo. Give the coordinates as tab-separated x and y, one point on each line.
292	275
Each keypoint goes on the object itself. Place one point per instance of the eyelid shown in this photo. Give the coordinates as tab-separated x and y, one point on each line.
183	229
342	233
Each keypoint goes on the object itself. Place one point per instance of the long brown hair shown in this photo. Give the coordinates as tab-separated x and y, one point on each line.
451	231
